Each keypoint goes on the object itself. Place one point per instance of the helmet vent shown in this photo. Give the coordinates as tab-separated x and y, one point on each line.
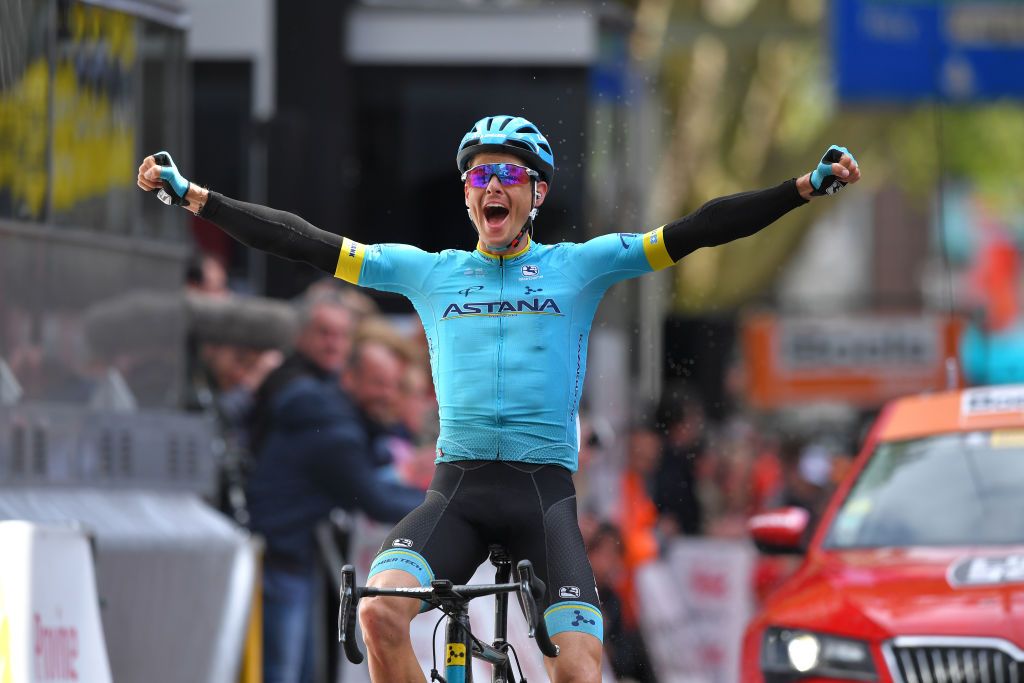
520	144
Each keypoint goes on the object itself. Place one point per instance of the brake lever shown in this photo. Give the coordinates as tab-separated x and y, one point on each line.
347	614
531	590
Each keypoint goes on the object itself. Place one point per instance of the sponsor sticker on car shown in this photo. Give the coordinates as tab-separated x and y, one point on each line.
1007	438
992	400
986	570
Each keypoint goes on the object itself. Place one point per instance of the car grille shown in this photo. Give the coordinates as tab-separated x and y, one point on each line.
954	660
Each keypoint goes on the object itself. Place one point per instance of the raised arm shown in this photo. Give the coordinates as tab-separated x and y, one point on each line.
740	215
607	259
277	232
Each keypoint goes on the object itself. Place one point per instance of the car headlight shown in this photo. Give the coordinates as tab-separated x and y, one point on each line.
791	654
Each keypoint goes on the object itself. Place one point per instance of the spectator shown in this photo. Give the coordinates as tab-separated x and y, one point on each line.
637	515
323	343
362	307
683	444
235	342
205	274
624	646
233	373
725	479
314	455
807	475
372	378
413	447
412	425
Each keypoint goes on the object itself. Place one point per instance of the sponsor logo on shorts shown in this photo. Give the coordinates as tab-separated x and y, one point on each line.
578	618
569	592
402	543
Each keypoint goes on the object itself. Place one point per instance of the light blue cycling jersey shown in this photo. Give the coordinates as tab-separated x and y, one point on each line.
507	335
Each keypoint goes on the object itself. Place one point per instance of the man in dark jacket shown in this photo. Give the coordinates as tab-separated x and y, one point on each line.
314	456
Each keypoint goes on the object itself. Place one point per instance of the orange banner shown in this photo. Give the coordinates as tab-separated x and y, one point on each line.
859	360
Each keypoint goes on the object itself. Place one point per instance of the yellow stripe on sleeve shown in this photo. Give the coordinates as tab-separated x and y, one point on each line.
654	249
350	261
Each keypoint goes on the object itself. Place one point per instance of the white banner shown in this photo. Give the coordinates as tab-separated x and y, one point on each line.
175	576
50	628
366	541
694	605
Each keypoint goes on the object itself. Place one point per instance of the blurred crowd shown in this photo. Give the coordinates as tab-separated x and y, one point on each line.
685	476
335	412
339	413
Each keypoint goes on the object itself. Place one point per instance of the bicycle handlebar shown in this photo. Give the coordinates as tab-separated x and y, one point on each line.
529	589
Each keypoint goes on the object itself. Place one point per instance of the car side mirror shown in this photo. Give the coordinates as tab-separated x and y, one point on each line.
780	532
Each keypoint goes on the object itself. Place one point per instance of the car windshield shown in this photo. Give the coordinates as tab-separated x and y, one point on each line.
955	489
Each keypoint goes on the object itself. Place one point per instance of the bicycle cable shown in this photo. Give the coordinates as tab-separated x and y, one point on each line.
519	667
434	676
476	641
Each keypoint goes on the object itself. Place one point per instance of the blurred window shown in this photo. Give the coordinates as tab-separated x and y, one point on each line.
90	267
957	489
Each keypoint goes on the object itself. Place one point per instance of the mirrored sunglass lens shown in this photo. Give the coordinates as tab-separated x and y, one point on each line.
478	177
508	174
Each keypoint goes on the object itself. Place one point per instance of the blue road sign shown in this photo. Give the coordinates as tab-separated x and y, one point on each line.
910	50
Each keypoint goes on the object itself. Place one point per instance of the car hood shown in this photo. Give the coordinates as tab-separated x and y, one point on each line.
890	592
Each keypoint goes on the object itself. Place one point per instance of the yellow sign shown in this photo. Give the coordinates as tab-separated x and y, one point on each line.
94	116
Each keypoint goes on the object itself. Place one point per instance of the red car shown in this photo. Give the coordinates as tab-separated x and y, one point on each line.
915	573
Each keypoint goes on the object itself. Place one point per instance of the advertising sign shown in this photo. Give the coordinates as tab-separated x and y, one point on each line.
694	605
50	628
863	360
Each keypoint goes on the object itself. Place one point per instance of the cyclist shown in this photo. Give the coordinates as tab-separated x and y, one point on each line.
507	325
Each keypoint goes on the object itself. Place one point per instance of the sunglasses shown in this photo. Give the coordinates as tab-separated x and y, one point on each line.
508	174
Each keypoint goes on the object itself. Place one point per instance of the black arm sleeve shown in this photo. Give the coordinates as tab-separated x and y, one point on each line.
277	232
728	218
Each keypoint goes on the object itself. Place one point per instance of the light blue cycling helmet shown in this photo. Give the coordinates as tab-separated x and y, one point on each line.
510	135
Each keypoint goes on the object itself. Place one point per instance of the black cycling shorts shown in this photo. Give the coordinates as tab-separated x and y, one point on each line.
528	509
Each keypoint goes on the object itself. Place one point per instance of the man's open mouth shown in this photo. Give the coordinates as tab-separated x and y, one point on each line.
495	214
